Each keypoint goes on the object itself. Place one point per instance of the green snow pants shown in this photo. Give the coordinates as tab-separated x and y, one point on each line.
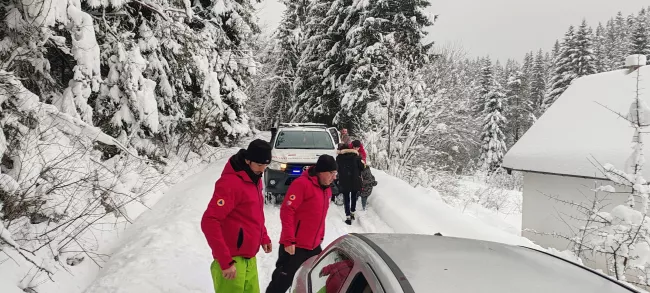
245	282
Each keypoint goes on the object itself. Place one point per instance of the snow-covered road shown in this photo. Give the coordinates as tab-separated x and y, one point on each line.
165	250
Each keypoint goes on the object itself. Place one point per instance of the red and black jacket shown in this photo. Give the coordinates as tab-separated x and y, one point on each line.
233	223
304	210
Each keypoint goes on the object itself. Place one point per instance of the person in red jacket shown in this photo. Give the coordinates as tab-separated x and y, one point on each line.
303	221
336	274
356	144
233	222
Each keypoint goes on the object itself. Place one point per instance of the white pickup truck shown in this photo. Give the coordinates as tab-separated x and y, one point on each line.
296	147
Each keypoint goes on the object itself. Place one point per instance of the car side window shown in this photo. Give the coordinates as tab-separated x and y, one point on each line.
359	285
330	273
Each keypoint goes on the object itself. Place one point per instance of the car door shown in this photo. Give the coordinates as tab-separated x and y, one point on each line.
335	135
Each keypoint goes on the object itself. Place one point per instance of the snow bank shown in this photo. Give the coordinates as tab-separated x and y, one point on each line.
165	250
17	274
410	210
160	252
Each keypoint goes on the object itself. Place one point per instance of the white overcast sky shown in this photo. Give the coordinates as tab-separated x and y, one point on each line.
500	28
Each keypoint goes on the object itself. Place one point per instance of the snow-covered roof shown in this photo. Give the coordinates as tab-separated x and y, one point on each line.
581	128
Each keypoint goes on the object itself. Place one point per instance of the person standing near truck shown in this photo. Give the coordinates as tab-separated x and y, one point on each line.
303	215
350	167
233	222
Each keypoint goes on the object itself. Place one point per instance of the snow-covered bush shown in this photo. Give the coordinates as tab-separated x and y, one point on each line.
103	104
448	185
58	189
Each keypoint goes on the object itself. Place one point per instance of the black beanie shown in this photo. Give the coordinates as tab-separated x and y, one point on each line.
259	151
326	163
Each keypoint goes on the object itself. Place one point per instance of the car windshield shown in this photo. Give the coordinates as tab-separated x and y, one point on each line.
304	140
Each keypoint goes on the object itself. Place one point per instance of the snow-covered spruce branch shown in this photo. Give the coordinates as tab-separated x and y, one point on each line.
27	101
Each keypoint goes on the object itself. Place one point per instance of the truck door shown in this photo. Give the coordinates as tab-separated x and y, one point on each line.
335	135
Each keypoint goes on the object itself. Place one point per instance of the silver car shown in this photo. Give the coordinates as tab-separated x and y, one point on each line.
406	263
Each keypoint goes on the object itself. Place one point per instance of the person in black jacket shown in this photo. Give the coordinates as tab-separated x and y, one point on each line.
349	168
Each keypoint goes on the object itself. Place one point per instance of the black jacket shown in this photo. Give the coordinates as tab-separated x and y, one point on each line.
350	166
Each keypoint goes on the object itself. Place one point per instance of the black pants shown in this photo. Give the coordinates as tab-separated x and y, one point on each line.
350	201
286	267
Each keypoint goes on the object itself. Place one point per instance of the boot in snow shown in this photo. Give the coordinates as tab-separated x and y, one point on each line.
348	221
352	216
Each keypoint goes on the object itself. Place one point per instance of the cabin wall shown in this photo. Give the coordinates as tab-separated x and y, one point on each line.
546	215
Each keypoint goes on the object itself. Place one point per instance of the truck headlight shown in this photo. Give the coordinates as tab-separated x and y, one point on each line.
275	165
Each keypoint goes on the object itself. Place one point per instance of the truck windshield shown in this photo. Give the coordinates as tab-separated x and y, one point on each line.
304	140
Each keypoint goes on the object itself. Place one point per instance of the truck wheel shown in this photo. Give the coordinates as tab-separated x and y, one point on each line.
268	198
279	198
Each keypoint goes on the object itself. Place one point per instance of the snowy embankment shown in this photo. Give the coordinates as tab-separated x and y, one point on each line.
94	232
164	251
417	210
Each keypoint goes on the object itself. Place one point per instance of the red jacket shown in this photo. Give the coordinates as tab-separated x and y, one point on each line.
337	273
303	212
362	153
233	223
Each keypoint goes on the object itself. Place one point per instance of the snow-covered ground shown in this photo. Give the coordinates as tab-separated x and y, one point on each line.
505	206
418	210
100	234
165	250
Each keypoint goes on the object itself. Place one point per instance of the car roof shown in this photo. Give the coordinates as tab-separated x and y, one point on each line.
448	264
303	129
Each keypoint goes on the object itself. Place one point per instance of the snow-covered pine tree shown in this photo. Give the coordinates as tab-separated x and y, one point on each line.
557	47
515	110
556	67
500	73
584	62
526	76
493	145
56	172
378	31
622	33
486	80
576	59
527	70
289	41
318	97
351	44
199	59
640	35
611	46
600	51
538	84
36	42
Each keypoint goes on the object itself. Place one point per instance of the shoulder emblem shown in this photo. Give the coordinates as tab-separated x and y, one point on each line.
292	197
221	202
